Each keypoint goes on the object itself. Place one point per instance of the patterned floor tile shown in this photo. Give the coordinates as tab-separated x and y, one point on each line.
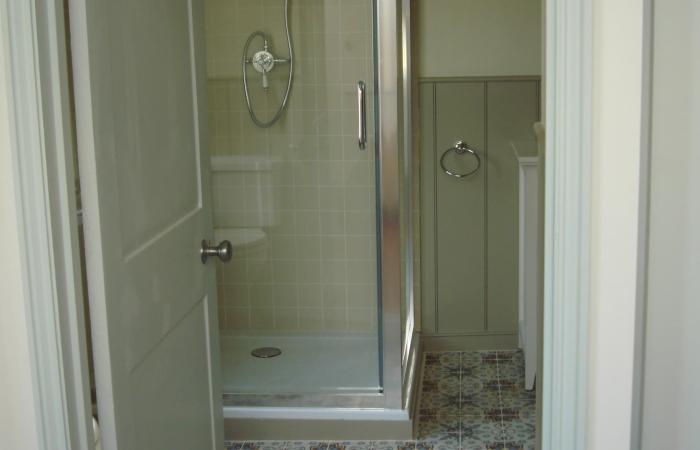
488	355
437	373
298	445
393	445
442	442
518	432
483	434
251	445
519	360
265	445
248	446
494	415
443	359
485	373
510	384
510	415
484	399
357	445
468	400
406	445
517	398
446	384
438	426
433	403
528	414
493	385
510	372
472	385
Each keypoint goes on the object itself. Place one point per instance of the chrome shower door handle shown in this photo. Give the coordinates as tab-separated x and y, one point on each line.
223	251
361	115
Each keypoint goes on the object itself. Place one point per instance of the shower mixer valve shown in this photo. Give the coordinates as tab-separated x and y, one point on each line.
263	61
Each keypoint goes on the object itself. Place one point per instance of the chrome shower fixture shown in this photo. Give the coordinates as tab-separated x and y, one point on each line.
264	62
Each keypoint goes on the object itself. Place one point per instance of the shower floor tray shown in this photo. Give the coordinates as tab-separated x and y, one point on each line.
316	364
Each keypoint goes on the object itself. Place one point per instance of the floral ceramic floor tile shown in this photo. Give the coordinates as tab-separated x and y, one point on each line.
436	426
516	398
393	445
357	445
481	434
265	445
468	401
298	445
449	441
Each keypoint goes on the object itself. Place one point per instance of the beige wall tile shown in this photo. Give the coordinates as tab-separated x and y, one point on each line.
318	259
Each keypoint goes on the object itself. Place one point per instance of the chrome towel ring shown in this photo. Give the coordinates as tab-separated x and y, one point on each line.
460	148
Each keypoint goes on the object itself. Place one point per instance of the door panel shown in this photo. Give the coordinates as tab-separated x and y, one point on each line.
139	102
182	421
153	103
162	280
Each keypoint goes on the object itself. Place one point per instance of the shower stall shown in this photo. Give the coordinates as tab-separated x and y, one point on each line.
307	146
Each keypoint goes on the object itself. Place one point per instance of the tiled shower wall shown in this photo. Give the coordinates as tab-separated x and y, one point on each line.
317	271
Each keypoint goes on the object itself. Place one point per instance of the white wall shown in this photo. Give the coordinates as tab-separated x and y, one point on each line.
617	89
477	37
671	392
17	415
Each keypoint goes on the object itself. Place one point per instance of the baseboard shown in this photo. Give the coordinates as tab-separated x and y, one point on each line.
469	342
317	430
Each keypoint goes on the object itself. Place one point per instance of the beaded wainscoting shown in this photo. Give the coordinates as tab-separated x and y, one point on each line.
468	400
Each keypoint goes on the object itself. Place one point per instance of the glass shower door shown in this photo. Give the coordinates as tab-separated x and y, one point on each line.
298	304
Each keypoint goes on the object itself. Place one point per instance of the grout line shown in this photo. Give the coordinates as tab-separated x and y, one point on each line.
459	413
500	400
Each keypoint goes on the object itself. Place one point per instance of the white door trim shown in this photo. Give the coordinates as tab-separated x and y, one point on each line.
42	144
569	31
43	162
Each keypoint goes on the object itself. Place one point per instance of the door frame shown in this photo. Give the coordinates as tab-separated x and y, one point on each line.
568	121
40	109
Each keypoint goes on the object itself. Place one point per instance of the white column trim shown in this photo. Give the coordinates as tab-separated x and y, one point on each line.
42	157
567	222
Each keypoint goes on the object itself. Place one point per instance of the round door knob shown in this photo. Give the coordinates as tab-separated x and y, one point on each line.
224	251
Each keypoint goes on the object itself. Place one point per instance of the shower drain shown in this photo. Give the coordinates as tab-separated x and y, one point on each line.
266	352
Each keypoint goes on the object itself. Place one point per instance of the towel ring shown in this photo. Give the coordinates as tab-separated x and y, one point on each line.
460	148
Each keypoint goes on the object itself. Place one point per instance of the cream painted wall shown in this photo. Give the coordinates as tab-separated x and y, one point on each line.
617	93
477	37
671	392
17	414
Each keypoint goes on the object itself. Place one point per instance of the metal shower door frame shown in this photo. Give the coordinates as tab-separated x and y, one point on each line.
387	91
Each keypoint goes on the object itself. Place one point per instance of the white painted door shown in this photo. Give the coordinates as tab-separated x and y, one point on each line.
139	91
